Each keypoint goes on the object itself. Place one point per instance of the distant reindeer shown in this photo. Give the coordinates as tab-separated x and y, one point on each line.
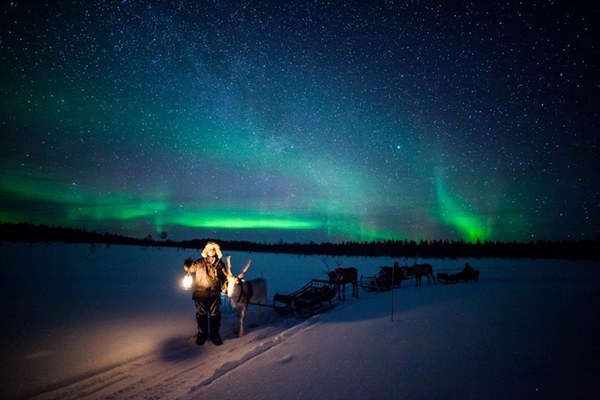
395	273
421	270
242	292
341	276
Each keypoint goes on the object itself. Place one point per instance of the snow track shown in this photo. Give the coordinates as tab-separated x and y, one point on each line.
181	369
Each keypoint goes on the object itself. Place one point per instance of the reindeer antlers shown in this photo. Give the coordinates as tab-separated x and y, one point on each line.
228	259
248	264
244	270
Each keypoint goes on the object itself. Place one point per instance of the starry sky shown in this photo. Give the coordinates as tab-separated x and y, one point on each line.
302	120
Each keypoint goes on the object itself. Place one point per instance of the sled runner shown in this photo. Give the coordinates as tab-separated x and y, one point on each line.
306	301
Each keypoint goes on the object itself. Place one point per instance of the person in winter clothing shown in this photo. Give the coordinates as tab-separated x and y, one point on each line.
210	276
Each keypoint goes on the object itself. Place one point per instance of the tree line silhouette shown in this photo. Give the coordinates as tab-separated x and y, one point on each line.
568	249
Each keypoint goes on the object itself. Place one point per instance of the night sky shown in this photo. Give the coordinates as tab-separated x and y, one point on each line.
302	120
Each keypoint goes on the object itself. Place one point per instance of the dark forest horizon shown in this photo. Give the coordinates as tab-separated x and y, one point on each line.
566	249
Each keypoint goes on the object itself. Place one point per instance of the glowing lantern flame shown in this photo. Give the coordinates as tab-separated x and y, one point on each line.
187	282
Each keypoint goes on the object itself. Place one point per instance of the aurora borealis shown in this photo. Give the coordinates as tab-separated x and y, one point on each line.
302	120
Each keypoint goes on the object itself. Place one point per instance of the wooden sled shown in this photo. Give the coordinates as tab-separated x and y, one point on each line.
307	300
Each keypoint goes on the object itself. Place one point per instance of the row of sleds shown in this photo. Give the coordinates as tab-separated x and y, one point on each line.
392	277
317	295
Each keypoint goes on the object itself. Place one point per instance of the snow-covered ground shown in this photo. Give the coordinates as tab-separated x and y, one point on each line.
80	321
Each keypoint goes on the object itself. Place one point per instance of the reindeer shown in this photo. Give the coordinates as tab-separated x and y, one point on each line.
341	276
395	273
242	292
420	270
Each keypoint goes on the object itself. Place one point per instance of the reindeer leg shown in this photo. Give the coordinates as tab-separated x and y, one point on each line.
242	316
238	315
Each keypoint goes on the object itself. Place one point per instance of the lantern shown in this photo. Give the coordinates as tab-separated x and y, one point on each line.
187	281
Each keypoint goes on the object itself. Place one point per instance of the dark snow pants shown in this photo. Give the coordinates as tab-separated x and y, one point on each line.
208	313
209	305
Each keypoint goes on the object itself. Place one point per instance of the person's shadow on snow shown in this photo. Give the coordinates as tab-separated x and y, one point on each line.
177	348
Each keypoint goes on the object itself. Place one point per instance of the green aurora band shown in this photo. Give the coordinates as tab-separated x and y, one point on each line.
76	205
455	213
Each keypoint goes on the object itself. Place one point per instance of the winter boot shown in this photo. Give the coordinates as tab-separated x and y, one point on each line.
202	335
215	326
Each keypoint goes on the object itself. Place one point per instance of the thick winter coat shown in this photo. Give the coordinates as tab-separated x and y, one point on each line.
209	278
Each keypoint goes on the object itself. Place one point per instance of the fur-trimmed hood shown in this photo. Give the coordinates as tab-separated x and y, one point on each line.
212	245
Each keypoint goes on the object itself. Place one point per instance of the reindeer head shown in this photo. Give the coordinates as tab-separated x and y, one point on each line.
232	280
333	276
